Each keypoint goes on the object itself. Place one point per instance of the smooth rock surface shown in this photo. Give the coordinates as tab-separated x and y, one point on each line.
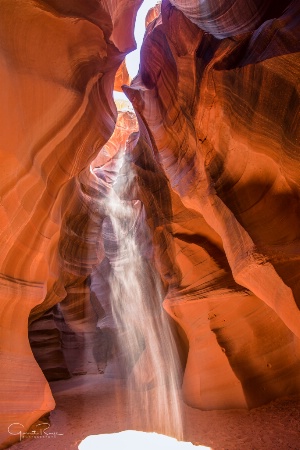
222	149
215	168
58	62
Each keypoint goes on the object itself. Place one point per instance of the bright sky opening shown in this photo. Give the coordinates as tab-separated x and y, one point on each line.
133	59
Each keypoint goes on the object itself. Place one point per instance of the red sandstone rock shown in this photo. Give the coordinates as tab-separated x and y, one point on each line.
216	168
153	13
229	18
58	63
125	125
45	341
122	77
223	121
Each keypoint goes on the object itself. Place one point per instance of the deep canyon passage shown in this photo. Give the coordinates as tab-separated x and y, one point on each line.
150	251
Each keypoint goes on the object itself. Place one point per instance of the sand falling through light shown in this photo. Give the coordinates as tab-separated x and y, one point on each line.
148	358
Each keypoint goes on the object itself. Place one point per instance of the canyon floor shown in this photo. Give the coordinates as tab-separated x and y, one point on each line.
93	404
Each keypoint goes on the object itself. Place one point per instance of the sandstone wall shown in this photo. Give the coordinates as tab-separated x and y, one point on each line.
220	138
57	65
216	166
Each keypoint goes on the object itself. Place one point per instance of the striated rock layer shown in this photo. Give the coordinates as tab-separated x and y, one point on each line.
220	138
215	166
45	341
58	62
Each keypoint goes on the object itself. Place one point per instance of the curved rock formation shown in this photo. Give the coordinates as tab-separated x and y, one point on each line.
229	18
152	14
58	64
122	77
111	152
229	246
215	166
45	341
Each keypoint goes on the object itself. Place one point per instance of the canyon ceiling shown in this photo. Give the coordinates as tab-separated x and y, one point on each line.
213	160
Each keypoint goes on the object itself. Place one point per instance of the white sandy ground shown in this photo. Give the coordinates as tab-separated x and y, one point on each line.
92	404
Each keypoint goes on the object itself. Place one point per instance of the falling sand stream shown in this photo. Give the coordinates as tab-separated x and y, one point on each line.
149	360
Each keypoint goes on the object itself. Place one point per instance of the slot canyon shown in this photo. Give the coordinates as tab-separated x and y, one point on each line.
150	244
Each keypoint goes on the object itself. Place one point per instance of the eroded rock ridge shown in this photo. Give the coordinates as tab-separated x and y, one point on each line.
215	165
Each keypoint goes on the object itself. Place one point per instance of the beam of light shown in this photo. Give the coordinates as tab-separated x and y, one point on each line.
135	440
133	59
150	364
149	360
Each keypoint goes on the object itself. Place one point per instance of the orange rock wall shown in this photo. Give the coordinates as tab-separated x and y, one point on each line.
58	62
222	117
217	170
